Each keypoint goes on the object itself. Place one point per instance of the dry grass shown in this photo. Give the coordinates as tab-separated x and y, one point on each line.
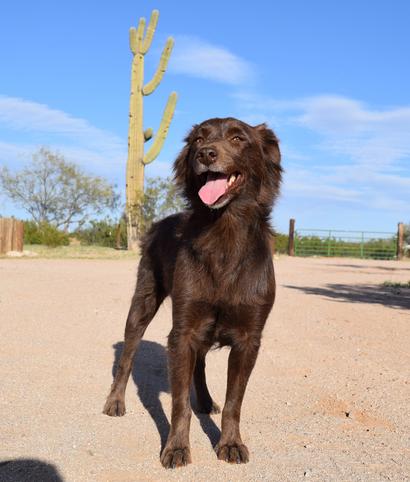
75	252
396	284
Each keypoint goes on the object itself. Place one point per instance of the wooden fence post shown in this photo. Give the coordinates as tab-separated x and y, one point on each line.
18	236
400	241
11	235
291	242
118	236
273	244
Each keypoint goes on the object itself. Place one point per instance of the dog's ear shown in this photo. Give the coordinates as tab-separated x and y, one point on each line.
272	174
181	168
269	143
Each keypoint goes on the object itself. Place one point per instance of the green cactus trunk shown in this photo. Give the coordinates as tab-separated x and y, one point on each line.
137	160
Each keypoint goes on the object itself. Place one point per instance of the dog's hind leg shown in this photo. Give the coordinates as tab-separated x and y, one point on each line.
204	400
146	300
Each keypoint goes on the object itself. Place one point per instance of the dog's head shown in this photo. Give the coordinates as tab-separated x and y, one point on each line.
227	161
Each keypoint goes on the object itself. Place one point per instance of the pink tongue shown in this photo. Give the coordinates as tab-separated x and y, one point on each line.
212	190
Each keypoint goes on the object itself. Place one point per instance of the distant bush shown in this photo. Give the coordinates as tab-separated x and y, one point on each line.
281	243
44	233
396	284
161	198
104	233
323	246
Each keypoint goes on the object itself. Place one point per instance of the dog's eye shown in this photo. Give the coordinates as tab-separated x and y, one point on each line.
236	139
199	140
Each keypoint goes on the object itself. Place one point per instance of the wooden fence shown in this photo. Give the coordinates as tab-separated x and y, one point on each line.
11	235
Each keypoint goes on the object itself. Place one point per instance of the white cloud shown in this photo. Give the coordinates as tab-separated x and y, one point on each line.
340	115
76	138
195	57
12	152
370	137
311	183
350	152
24	115
346	126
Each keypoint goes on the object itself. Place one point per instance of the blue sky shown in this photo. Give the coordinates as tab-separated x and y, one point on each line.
331	78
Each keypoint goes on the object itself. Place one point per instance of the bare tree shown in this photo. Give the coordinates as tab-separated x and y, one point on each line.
161	198
56	191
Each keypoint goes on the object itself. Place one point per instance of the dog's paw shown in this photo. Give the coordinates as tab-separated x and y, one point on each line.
215	408
208	408
233	453
114	407
175	457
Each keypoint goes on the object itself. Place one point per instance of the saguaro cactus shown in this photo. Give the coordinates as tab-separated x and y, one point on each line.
137	160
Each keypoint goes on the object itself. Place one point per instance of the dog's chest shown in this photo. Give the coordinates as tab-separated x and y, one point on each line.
223	267
236	280
218	270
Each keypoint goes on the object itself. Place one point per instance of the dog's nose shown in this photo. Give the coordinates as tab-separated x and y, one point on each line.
207	155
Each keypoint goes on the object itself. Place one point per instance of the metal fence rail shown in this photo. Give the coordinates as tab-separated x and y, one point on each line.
356	244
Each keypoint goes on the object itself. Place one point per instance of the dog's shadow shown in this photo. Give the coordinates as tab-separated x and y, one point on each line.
150	375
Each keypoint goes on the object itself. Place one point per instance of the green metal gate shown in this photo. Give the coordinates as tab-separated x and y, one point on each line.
353	244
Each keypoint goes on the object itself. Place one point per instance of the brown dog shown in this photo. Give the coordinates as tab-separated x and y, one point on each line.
215	262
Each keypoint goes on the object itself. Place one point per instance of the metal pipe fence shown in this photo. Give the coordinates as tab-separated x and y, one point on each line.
354	244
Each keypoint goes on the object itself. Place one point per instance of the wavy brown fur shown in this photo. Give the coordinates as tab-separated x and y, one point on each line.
216	265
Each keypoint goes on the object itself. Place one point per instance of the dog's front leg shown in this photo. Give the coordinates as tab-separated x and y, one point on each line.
241	361
181	359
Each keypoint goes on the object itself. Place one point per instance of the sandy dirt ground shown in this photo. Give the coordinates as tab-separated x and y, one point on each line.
329	399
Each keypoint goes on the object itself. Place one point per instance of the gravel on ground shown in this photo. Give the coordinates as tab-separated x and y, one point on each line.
329	398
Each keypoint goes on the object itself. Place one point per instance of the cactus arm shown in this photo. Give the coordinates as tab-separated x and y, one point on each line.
153	83
148	133
133	40
136	39
163	130
150	32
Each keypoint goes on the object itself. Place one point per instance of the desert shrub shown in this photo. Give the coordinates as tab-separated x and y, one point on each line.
53	190
44	233
383	248
310	245
281	243
161	198
103	233
380	248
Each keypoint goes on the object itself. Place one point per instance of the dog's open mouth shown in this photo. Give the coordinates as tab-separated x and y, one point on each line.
216	185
